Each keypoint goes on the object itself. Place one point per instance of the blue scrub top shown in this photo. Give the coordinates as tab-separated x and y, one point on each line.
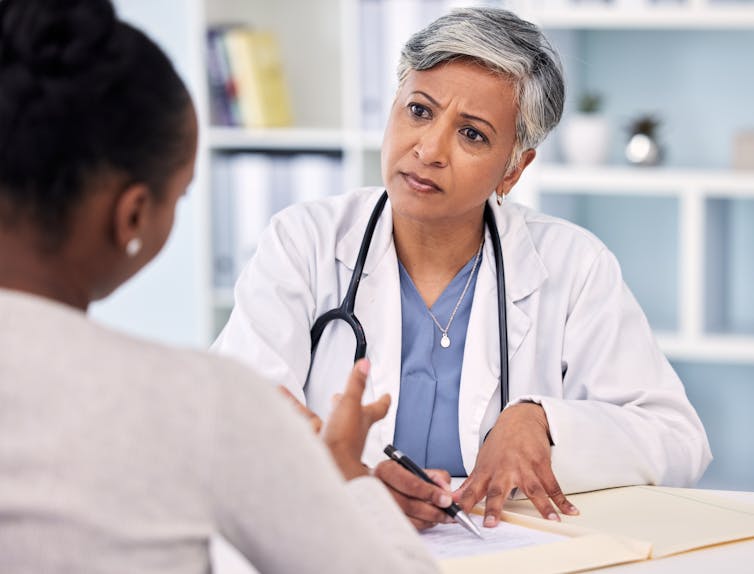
426	426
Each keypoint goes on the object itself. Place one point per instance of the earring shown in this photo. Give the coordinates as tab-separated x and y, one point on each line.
133	247
500	198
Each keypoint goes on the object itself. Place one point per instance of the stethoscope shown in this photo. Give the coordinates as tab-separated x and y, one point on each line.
345	311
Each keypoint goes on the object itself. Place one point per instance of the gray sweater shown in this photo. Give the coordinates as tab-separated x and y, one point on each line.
118	455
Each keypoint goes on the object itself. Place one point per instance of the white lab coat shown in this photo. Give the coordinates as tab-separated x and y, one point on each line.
578	342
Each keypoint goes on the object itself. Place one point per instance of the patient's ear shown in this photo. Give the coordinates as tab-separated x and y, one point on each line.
130	215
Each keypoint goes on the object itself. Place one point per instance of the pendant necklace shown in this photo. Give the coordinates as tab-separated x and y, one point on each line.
445	340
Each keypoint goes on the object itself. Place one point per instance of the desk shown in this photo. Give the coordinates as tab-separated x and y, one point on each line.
733	558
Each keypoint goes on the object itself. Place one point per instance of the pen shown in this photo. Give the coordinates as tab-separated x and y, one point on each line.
453	510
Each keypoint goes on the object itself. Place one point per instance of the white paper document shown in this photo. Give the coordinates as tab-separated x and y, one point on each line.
454	541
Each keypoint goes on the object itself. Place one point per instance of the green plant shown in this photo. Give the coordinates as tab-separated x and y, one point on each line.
645	124
590	103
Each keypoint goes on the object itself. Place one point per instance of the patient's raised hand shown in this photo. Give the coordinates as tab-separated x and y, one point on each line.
346	430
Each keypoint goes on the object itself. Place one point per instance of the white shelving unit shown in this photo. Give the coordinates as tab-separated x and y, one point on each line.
691	188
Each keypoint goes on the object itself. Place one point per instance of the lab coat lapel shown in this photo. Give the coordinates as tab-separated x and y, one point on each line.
378	307
480	375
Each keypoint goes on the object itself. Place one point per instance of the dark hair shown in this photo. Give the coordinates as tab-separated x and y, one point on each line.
81	91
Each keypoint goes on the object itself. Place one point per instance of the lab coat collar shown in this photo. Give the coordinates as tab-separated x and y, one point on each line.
479	397
347	248
519	253
520	256
378	296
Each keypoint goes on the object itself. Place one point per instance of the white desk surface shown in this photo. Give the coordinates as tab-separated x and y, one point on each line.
733	558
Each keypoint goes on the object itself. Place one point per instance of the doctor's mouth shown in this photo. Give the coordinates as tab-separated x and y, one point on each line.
420	184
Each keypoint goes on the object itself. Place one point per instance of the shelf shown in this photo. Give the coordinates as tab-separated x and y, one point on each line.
313	139
714	348
649	17
605	180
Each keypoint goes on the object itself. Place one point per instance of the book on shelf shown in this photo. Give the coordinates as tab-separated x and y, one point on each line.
222	88
370	66
246	78
249	188
615	526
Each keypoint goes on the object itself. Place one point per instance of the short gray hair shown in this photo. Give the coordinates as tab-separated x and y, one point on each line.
506	44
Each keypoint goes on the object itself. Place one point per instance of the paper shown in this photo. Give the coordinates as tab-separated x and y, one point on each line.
454	541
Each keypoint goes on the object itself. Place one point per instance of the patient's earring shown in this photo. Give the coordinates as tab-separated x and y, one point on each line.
133	247
500	198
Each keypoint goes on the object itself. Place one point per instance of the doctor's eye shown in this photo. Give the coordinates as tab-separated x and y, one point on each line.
418	110
474	135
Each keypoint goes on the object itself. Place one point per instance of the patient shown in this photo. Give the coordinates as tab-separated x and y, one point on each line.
118	455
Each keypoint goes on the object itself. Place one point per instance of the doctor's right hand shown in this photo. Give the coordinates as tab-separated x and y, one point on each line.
419	500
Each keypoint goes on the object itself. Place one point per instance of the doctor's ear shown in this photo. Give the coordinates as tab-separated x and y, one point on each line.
130	217
513	174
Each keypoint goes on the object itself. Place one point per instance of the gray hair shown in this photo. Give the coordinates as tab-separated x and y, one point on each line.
506	44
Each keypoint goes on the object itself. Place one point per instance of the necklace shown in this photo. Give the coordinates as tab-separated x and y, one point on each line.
445	340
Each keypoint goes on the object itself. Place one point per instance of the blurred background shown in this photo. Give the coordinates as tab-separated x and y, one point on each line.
655	154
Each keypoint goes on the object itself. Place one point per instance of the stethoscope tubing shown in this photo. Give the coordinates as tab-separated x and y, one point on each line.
345	311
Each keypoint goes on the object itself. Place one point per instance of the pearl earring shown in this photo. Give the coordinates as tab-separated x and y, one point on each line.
500	198
133	247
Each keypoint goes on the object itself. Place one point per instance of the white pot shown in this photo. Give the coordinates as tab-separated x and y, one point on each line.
585	139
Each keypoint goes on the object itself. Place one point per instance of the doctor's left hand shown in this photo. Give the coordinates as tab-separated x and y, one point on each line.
516	454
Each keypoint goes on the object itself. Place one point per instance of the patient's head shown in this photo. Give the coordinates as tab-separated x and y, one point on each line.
97	139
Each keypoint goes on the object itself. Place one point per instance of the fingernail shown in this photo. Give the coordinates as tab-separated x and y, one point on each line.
489	520
553	516
573	511
363	366
445	501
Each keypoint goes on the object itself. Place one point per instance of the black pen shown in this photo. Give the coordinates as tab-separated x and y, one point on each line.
453	510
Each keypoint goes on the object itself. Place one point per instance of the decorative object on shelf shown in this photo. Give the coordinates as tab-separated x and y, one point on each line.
585	135
642	147
743	150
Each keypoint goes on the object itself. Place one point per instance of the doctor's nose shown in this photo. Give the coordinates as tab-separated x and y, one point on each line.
431	148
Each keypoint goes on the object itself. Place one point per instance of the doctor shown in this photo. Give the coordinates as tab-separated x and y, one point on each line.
592	404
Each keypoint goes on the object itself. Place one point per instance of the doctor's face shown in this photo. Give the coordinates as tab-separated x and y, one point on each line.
448	140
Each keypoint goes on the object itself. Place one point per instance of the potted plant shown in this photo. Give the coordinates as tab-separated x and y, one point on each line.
585	135
642	147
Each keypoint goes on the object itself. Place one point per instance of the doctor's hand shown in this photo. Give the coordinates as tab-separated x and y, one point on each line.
419	500
346	430
516	454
